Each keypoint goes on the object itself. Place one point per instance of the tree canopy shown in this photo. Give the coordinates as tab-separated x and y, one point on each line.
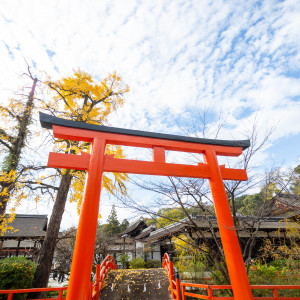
113	226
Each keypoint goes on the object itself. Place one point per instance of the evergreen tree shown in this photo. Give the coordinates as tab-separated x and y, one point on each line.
113	224
124	225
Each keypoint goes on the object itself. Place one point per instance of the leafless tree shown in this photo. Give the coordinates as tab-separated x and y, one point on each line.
190	194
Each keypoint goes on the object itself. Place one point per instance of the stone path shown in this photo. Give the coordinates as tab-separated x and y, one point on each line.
54	283
141	284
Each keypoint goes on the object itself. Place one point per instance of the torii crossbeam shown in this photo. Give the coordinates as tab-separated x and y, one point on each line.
97	162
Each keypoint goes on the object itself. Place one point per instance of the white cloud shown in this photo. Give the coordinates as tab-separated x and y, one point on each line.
242	57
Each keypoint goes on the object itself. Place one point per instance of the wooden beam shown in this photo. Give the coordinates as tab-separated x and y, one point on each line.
69	161
111	164
75	134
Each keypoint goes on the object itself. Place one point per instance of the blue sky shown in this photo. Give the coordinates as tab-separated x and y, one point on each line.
241	58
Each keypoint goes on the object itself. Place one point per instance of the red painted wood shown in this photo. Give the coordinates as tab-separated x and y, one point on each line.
233	255
210	296
111	164
143	142
233	174
79	283
159	154
69	161
153	168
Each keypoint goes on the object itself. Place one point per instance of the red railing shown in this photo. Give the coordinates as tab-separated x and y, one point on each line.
101	270
175	287
174	283
11	293
210	288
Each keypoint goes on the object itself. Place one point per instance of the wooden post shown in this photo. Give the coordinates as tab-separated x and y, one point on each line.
178	289
81	269
171	270
235	263
18	247
209	293
97	280
275	293
183	292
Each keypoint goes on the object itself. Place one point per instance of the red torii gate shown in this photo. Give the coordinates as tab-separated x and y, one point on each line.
97	162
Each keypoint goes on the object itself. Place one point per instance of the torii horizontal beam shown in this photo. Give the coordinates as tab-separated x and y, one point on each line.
48	121
111	164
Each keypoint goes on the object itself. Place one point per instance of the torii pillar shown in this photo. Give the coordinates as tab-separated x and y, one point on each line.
97	162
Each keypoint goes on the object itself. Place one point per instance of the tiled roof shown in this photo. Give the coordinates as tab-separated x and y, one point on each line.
27	226
145	233
285	205
168	230
139	225
204	223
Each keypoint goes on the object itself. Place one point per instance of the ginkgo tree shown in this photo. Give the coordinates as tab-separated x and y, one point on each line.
79	98
14	130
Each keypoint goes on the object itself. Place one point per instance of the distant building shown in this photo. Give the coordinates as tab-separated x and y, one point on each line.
26	236
131	242
286	206
271	227
140	240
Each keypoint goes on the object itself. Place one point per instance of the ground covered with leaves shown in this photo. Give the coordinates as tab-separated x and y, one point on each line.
146	284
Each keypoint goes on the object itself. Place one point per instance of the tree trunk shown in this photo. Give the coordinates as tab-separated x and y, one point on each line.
46	254
12	160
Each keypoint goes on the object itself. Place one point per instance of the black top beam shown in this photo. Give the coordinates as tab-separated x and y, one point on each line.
47	121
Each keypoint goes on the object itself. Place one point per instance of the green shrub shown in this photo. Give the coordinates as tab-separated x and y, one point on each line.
137	263
54	294
292	264
150	264
278	263
275	273
51	294
16	273
124	258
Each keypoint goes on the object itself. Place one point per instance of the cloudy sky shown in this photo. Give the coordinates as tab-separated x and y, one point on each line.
240	58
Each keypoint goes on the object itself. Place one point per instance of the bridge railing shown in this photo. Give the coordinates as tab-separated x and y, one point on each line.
101	270
174	282
175	287
209	290
11	293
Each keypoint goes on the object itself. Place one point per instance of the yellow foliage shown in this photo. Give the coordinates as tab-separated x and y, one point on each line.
8	177
80	98
11	187
284	248
188	251
14	197
5	221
